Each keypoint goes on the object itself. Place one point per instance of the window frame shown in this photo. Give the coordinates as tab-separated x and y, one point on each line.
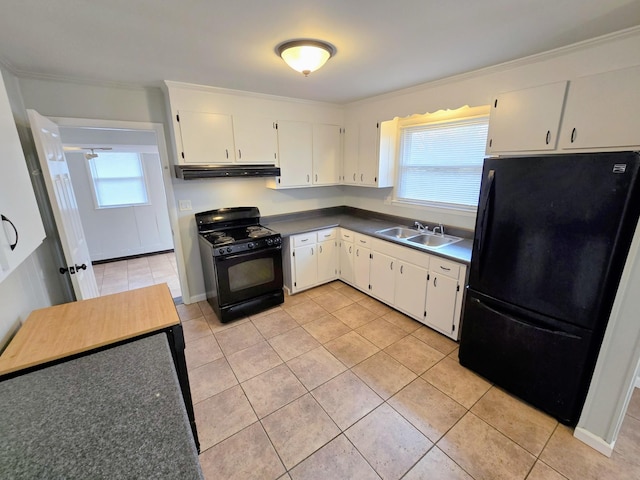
143	177
440	117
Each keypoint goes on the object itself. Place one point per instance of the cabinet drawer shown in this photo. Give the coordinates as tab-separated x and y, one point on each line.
347	235
326	234
362	240
445	267
304	239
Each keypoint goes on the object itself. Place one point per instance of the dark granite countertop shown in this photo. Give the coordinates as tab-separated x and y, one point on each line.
362	222
116	413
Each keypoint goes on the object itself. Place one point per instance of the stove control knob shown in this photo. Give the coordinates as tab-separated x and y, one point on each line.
278	240
229	249
269	241
250	245
221	251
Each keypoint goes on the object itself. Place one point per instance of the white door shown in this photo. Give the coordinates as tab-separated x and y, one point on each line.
63	203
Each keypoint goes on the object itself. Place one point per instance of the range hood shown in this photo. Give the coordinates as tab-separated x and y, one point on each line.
191	172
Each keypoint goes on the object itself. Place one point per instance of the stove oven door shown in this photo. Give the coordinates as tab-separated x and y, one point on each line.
245	276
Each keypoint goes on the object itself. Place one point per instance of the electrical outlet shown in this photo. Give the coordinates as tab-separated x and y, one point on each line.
185	205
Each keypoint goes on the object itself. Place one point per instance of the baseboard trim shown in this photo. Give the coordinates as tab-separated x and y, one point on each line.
594	441
196	298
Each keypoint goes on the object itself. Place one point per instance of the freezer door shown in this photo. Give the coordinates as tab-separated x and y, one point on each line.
553	232
547	366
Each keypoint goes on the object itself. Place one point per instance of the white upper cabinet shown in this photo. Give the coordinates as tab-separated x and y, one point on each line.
206	137
21	229
603	111
526	120
256	140
327	154
369	154
296	154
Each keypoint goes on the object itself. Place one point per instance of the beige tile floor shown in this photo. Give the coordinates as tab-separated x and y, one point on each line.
123	275
335	385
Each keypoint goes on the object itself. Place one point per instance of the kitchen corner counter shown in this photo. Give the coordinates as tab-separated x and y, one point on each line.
460	252
117	413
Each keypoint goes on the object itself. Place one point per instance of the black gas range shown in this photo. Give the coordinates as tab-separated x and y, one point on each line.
241	262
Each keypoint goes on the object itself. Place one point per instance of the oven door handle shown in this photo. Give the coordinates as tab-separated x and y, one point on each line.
249	253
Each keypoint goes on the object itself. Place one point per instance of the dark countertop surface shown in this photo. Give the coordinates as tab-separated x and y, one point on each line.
460	251
116	413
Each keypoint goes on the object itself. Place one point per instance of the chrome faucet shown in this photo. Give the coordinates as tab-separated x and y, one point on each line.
440	227
421	228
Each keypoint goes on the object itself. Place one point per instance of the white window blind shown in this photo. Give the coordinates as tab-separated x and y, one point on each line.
118	179
441	163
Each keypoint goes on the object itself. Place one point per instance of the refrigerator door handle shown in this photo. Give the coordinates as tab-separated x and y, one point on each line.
554	331
485	203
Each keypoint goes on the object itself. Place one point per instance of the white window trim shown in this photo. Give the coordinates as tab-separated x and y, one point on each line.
441	116
94	194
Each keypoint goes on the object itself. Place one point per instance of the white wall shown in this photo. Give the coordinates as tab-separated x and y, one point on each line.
122	231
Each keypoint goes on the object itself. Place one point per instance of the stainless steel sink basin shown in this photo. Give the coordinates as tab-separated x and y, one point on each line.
434	241
398	232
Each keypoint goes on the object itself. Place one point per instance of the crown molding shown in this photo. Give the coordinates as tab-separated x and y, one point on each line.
511	64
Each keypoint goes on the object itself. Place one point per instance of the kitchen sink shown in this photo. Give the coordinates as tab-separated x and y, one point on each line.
433	240
398	232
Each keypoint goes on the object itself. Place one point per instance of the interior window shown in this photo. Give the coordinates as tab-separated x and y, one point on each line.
118	179
440	162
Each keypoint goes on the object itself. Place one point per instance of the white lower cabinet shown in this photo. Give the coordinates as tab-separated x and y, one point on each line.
411	289
426	287
310	259
444	296
361	261
346	268
382	277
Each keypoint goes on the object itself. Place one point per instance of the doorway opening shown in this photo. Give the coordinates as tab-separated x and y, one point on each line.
121	177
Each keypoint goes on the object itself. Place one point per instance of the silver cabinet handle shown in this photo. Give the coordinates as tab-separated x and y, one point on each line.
304	240
327	235
357	252
320	249
307	178
350	251
445	268
311	250
354	177
239	154
226	152
435	281
401	266
391	266
316	177
361	176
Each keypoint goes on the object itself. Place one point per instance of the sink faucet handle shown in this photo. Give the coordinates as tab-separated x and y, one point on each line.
420	227
439	227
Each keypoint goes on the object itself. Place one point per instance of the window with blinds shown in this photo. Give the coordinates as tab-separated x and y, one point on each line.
441	163
118	180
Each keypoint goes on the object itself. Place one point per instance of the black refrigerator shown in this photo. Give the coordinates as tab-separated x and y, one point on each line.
551	240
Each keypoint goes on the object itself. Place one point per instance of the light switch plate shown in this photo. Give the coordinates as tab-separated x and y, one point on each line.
185	205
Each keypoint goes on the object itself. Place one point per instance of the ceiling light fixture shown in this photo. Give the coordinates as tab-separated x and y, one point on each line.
305	56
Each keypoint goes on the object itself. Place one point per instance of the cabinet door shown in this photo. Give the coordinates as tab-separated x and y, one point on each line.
411	289
256	139
305	266
327	261
295	154
206	137
603	111
346	262
368	154
327	154
442	292
21	229
350	155
526	120
382	276
361	267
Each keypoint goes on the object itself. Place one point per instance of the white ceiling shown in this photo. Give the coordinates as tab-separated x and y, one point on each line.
381	45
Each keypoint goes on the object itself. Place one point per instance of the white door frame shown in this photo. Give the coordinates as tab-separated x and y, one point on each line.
158	128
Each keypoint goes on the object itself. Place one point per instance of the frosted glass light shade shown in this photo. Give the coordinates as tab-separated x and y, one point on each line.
305	56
